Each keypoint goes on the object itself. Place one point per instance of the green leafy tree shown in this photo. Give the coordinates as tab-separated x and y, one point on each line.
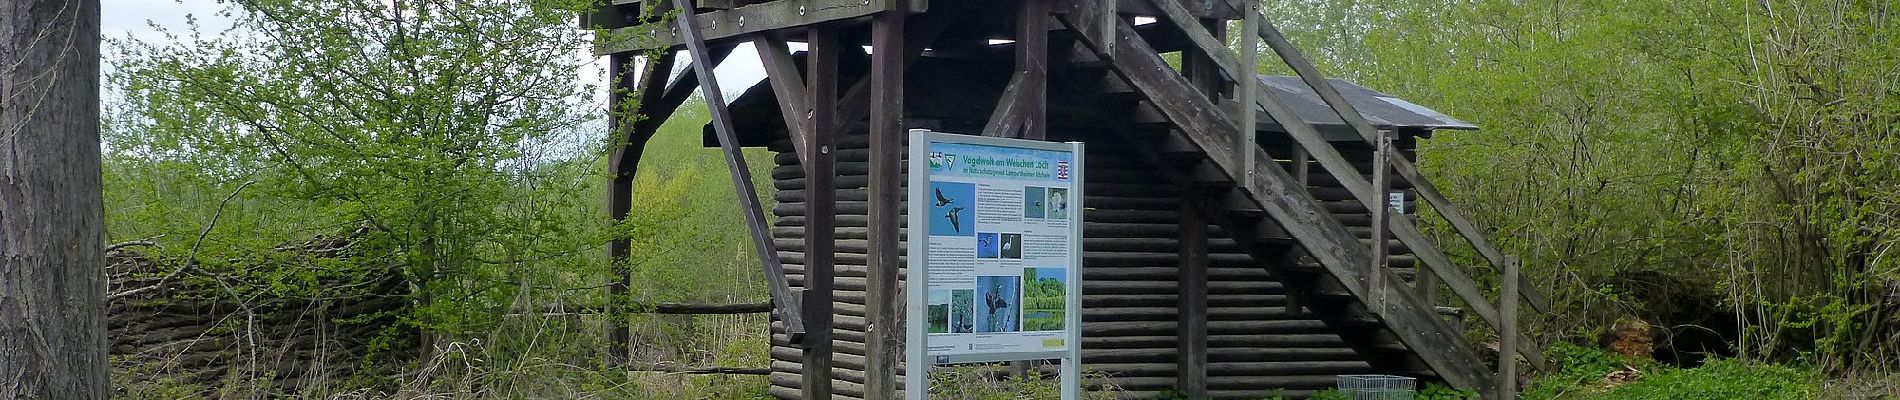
1704	159
449	129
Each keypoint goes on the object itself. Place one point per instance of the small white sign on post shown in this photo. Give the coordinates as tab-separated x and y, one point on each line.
995	255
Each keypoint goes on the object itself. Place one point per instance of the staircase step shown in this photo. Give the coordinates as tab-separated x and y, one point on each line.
1145	113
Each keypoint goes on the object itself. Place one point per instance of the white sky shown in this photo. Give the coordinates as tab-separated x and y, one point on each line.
134	18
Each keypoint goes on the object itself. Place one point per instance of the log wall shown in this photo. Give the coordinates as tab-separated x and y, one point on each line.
1256	345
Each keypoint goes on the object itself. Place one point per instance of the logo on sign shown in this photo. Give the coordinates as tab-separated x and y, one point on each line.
1062	170
940	161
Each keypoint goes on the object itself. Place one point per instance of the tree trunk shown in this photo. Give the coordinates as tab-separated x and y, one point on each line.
52	262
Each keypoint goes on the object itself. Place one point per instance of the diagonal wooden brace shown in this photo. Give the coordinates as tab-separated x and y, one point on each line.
785	303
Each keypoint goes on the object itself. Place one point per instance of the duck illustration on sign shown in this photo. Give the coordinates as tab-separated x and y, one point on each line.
942	201
950	209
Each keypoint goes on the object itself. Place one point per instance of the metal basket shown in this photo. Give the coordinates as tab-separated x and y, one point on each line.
1378	387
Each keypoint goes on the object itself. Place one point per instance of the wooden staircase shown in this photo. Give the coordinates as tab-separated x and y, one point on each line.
1256	201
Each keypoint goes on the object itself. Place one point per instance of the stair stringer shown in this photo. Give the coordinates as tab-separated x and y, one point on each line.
1286	203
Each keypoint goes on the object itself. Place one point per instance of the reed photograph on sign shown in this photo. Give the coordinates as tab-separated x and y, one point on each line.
1045	300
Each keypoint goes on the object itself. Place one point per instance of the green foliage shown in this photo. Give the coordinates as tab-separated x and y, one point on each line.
1170	394
1584	370
989	382
1434	391
1330	394
458	139
1044	303
1677	161
441	132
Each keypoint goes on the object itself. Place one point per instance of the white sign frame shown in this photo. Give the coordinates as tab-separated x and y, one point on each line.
916	356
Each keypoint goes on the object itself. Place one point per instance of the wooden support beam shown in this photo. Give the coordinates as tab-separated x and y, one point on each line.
1380	213
794	104
1507	346
856	103
1021	111
1202	39
1191	359
1302	172
626	162
653	114
1110	13
1007	119
889	55
1330	95
1032	61
1283	199
782	297
737	23
1249	63
821	205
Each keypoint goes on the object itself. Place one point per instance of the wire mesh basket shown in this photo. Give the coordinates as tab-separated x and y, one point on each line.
1378	387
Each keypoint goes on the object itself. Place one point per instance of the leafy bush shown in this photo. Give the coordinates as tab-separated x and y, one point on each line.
1330	394
1435	391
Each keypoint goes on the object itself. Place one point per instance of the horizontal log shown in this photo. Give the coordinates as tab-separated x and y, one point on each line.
1126	393
1258	313
1308	382
674	369
1328	369
1213	328
1312	340
1094	356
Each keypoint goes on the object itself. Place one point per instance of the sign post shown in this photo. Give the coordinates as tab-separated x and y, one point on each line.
995	255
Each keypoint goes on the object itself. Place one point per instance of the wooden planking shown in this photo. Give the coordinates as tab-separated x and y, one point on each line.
741	177
1285	201
623	17
887	196
1330	95
737	23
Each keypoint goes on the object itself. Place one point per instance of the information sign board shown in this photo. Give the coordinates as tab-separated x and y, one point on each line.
995	253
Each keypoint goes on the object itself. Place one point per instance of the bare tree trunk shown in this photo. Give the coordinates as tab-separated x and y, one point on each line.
52	261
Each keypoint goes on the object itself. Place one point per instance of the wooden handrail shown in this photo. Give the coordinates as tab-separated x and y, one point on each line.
1330	95
1348	176
1208	127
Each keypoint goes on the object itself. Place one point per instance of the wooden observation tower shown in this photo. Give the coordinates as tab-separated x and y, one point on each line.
1229	248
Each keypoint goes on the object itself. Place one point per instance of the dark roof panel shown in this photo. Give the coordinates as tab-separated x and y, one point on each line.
1382	110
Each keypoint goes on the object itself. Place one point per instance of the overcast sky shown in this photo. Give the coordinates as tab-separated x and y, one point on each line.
134	18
